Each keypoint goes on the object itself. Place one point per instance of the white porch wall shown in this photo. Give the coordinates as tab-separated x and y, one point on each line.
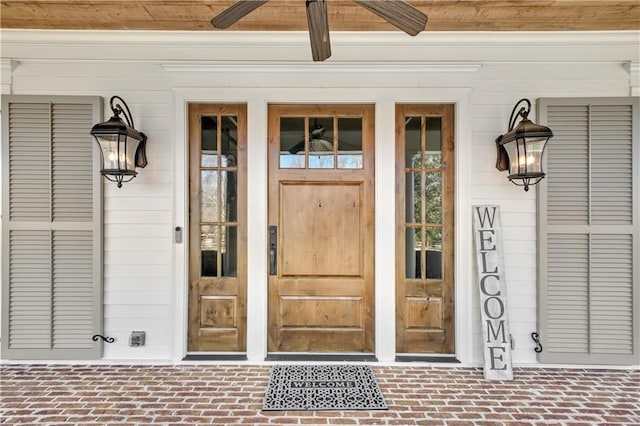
154	72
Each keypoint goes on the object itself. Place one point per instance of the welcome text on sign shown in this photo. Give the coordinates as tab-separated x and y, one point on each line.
490	263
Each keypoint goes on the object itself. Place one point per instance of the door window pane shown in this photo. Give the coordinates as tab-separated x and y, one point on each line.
434	253
413	251
350	142
209	204
229	250
229	141
321	137
433	197
292	143
209	243
321	160
413	147
413	197
209	141
229	208
433	154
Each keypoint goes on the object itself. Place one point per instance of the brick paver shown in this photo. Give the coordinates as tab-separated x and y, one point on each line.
189	394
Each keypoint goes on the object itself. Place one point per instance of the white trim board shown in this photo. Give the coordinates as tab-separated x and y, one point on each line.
347	47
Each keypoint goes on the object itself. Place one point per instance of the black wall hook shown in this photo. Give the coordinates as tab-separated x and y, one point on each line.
100	336
536	339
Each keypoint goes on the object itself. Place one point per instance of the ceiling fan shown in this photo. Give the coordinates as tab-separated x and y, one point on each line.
398	13
316	143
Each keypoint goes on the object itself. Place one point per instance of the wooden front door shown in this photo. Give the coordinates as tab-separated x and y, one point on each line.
217	228
425	230
321	228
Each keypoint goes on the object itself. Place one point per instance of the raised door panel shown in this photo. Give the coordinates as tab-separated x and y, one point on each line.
321	233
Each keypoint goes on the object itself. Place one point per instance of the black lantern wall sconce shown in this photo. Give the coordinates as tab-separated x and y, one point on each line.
122	147
520	150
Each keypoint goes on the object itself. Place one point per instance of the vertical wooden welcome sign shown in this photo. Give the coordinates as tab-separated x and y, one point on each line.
487	234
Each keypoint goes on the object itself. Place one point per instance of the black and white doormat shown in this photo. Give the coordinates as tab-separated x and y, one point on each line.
323	387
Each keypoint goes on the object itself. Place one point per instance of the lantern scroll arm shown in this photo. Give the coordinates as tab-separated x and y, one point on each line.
117	109
523	112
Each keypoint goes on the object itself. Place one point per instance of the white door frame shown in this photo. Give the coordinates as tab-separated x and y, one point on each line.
384	99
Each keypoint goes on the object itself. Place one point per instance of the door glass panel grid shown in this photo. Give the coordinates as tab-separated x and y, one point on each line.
218	196
423	197
321	142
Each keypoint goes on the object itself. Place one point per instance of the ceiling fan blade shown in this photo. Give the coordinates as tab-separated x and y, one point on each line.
398	13
235	12
317	19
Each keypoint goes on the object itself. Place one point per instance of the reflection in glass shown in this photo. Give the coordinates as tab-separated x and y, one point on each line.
229	250
434	238
433	154
209	141
433	197
320	160
229	208
209	243
209	204
292	137
413	197
229	141
350	142
321	137
434	253
413	148
413	250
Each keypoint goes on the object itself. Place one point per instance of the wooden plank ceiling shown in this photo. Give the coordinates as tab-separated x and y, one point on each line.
289	15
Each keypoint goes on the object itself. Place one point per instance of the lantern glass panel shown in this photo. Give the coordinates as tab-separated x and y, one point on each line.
109	150
535	148
118	152
525	158
131	146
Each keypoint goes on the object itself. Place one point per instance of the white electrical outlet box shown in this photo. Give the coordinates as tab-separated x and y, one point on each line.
137	338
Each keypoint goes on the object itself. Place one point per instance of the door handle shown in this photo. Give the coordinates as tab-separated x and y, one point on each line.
273	250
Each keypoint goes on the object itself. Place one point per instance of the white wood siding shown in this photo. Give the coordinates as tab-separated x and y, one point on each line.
142	290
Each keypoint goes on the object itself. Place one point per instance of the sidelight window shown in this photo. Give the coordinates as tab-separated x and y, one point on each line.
423	197
218	196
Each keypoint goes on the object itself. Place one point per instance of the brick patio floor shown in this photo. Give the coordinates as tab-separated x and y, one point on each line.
232	394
